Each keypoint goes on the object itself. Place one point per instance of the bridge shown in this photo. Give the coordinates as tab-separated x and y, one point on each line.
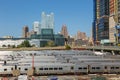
113	49
106	48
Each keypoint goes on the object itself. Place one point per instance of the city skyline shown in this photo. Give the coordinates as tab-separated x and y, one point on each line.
16	14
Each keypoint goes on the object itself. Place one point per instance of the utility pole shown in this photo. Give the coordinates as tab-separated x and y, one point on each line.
33	66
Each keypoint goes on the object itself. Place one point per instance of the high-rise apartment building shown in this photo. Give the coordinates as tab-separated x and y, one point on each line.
64	31
25	31
36	27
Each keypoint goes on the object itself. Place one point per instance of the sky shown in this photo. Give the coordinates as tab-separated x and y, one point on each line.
76	14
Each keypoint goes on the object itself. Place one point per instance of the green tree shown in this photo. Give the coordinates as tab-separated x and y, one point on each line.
24	44
50	44
13	46
67	47
9	45
118	44
3	45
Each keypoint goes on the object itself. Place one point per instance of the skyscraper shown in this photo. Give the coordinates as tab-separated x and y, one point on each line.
101	20
45	31
36	27
47	24
103	27
47	21
25	31
95	21
106	22
64	31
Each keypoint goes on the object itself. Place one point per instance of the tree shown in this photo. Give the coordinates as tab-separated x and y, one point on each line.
67	47
9	45
50	44
3	45
33	45
13	46
24	44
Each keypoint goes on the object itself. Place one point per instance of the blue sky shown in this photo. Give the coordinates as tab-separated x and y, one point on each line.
76	14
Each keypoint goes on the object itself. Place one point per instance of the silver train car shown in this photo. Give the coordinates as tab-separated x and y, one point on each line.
66	68
59	62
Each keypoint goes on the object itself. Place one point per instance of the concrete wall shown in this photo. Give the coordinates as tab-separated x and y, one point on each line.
11	42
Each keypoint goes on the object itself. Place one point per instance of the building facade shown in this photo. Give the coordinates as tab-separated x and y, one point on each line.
103	25
106	21
47	21
95	21
117	18
64	31
25	31
113	20
5	42
45	31
58	39
81	35
100	21
36	27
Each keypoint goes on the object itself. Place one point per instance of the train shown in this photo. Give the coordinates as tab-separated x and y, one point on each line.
59	63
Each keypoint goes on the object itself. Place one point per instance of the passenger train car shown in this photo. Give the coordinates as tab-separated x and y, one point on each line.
59	62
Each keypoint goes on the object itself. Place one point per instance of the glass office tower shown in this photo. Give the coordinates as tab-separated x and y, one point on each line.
46	31
103	25
100	24
95	20
47	21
